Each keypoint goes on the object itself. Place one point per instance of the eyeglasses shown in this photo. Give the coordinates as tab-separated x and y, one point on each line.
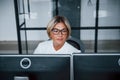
57	31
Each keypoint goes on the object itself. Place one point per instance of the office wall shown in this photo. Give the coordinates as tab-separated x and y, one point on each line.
41	13
8	26
7	21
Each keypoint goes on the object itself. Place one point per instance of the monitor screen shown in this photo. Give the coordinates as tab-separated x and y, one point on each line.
35	67
96	66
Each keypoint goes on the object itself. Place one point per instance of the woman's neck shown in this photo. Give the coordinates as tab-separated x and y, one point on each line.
57	47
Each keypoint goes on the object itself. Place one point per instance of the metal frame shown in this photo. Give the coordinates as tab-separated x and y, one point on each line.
19	26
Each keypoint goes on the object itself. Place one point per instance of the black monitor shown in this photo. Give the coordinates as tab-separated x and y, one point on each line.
35	67
96	66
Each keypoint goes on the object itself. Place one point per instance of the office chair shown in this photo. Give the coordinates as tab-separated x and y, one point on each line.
76	43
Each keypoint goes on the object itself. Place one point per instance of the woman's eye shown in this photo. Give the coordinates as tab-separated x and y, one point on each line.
55	30
64	30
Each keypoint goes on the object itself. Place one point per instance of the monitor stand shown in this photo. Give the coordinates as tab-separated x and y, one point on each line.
21	78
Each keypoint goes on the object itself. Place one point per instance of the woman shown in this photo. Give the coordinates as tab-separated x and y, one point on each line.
58	30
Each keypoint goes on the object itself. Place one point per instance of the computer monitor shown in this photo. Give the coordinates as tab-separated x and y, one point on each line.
35	67
96	66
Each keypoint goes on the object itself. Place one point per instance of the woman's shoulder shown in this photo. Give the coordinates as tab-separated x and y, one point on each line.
42	46
68	45
72	48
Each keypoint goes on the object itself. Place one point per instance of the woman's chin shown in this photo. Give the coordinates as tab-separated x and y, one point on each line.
60	42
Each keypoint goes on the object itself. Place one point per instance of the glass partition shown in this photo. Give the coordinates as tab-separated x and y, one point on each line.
109	32
109	40
94	22
88	39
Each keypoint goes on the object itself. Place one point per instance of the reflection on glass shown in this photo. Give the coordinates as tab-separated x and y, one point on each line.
87	17
40	13
109	13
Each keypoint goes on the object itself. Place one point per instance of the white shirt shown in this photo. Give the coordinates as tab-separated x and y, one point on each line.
47	48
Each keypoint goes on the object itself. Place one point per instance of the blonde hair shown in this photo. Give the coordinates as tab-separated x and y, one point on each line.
58	19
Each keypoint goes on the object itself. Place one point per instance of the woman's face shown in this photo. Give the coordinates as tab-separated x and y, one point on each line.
59	34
